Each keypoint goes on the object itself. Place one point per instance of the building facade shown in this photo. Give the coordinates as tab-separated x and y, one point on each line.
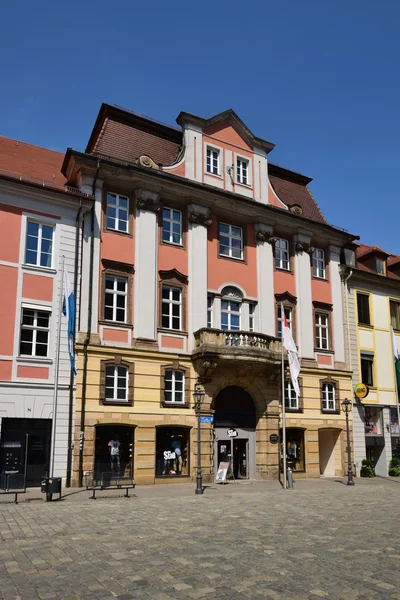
38	228
197	244
372	300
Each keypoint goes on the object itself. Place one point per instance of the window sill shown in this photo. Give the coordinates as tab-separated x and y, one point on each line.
173	331
124	233
166	243
324	350
116	402
27	267
294	410
218	175
34	359
320	278
242	260
165	404
284	270
116	324
325	411
366	325
245	185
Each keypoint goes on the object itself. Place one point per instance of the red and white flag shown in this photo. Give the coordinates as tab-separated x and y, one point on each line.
293	357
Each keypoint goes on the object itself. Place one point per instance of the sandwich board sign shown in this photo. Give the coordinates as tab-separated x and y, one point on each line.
222	472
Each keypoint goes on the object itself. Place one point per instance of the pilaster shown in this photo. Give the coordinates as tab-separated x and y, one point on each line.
305	327
337	301
265	276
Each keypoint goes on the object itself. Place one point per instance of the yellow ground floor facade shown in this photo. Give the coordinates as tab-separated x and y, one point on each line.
154	440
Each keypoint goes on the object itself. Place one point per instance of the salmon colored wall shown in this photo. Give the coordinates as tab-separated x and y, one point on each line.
118	247
321	291
8	287
272	198
32	372
324	359
171	257
225	270
284	282
5	370
180	170
226	133
10	225
37	287
172	342
115	335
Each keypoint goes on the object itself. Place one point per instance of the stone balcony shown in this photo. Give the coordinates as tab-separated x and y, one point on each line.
213	346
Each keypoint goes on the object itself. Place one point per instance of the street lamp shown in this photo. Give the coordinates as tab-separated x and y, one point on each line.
198	397
346	407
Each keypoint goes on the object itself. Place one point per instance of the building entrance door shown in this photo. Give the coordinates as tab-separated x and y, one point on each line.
235	452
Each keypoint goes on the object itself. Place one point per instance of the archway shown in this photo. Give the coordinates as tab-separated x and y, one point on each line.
235	432
329	452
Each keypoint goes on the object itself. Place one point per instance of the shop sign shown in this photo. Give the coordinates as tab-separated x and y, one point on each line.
222	472
11	444
274	438
232	433
207	419
361	390
168	455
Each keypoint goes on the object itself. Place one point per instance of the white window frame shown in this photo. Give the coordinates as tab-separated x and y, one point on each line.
230	235
118	208
241	172
35	329
173	390
288	311
217	151
210	310
41	224
328	396
291	397
115	387
252	316
171	221
170	302
115	292
282	254
231	312
318	263
319	328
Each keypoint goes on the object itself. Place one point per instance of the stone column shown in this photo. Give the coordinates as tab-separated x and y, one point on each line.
304	319
146	249
199	220
337	301
265	275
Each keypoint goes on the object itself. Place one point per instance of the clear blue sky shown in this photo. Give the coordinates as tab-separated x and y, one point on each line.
319	79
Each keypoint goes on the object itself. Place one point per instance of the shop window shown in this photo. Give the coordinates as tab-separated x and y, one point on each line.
367	369
172	451
295	449
373	420
363	309
394	422
395	314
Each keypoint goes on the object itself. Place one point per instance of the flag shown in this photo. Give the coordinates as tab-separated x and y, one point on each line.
396	361
293	357
69	312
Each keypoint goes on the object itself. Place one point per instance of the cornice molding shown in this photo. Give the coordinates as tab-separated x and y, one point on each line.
200	219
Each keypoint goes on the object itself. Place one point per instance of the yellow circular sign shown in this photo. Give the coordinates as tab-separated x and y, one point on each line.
361	390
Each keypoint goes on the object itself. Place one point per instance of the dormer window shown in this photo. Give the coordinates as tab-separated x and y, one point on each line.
380	266
212	165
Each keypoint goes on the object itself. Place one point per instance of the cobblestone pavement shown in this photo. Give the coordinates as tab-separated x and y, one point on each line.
320	540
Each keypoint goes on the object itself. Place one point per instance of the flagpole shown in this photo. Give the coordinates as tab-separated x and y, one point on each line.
57	370
395	354
283	403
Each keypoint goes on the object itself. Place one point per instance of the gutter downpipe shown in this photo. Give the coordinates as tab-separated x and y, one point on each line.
89	330
71	377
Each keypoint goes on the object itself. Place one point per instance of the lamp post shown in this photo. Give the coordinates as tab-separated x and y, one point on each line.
346	407
198	397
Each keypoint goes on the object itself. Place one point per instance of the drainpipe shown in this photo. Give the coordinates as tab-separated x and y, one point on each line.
89	330
71	377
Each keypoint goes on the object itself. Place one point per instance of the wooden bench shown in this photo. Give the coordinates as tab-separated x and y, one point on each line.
13	483
108	481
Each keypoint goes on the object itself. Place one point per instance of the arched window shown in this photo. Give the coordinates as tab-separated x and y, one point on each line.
231	305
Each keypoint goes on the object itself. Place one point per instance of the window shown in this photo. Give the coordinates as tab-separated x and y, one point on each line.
395	314
213	161
172	451
252	311
172	226
115	299
373	420
291	398
282	254
39	244
174	386
363	309
367	369
380	266
242	171
318	263
35	327
294	449
288	314
117	212
230	241
321	331
116	384
210	304
230	315
328	397
171	308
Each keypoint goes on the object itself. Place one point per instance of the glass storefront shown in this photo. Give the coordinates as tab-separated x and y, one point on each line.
295	449
373	420
394	422
172	451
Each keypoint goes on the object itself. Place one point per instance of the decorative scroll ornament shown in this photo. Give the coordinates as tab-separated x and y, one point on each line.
148	204
304	247
146	161
296	209
265	236
231	292
200	219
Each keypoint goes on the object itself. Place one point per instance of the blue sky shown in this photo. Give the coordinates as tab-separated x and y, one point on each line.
319	79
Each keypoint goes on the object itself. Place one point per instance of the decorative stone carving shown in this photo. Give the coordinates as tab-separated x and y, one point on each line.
146	161
151	204
265	236
200	219
231	292
304	247
296	209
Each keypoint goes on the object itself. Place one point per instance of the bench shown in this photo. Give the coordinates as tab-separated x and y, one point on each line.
108	481
13	483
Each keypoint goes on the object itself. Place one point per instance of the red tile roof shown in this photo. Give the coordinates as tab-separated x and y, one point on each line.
33	164
363	250
293	193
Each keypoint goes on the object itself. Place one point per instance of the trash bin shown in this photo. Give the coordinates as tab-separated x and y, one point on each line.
50	486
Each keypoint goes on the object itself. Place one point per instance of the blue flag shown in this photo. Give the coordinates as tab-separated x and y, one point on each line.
69	312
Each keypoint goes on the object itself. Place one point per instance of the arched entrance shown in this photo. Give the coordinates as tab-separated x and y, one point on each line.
235	432
329	452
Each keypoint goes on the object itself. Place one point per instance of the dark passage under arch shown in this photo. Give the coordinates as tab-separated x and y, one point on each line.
234	407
